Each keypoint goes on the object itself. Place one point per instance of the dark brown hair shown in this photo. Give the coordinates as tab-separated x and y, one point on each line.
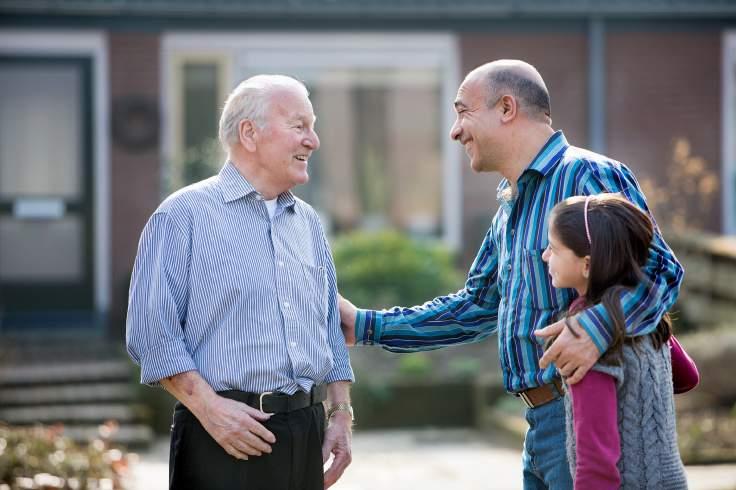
620	236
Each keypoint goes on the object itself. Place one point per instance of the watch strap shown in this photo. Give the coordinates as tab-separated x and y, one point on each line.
344	406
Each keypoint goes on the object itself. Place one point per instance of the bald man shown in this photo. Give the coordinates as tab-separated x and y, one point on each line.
504	123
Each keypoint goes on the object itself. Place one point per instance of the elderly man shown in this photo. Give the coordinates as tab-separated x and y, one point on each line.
233	309
504	122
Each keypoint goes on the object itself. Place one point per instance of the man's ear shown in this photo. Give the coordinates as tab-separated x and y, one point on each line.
509	108
247	134
586	266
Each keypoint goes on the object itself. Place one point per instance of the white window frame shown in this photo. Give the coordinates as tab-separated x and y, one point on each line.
341	50
92	44
729	133
174	93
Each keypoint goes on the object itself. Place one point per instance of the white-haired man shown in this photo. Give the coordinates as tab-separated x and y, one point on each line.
233	309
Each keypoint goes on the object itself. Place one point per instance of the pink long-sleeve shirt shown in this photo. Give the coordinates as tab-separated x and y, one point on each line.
595	422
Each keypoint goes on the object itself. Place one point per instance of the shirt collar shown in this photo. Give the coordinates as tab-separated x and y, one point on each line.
547	158
234	186
550	154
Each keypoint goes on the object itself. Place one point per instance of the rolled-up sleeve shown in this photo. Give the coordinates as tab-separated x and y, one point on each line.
341	371
469	315
158	298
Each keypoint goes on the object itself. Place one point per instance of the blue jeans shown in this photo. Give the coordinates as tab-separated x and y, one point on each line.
545	457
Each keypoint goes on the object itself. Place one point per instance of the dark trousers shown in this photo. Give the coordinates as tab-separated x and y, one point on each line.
197	462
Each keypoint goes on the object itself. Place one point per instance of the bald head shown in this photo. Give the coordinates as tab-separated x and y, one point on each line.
517	78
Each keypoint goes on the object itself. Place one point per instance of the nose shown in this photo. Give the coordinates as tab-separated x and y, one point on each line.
455	131
545	254
311	141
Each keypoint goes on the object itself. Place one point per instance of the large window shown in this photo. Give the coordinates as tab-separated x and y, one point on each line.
380	163
198	84
384	110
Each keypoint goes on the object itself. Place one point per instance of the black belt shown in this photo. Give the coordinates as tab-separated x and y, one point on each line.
275	402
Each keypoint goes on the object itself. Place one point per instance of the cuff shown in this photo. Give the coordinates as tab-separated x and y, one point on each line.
340	373
165	360
368	325
595	321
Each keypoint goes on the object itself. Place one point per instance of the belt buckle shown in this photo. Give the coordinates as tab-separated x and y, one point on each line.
525	398
260	401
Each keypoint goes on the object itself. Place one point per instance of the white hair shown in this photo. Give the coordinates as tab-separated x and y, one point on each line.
250	100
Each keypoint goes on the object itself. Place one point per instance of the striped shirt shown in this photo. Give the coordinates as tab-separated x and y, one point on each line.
508	284
248	302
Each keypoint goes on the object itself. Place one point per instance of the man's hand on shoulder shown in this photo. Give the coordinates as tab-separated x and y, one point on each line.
573	352
348	313
236	427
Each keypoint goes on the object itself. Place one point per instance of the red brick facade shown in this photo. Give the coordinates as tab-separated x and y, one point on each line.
135	175
663	86
660	86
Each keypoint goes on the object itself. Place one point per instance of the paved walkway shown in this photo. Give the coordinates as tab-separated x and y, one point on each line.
430	460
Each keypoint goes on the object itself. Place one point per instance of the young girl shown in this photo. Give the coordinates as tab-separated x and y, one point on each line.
620	417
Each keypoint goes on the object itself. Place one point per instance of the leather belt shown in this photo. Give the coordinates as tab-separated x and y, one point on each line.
275	402
536	397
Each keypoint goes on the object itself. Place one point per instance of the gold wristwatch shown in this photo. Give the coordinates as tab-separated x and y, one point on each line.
341	406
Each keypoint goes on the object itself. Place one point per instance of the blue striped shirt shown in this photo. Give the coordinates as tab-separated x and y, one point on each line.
220	288
508	284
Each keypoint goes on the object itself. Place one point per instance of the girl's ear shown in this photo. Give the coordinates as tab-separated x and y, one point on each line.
586	266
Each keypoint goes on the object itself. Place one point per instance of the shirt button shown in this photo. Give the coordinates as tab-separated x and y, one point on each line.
281	263
512	232
286	304
293	344
370	332
508	267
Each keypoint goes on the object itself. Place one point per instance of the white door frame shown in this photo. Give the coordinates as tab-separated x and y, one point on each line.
728	139
345	50
93	44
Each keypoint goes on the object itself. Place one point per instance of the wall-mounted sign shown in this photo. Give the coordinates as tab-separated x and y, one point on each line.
39	208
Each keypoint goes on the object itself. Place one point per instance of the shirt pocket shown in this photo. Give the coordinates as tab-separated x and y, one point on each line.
538	289
315	292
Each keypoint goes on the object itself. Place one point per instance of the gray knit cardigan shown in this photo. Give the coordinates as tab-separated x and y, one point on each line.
650	458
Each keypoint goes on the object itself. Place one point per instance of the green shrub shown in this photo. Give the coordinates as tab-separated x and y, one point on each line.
202	161
417	365
41	457
380	270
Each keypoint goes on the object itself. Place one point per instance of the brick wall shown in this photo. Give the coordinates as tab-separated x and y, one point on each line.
561	58
663	86
135	175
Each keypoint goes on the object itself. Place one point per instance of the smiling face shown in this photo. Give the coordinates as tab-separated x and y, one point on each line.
478	127
287	139
566	269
